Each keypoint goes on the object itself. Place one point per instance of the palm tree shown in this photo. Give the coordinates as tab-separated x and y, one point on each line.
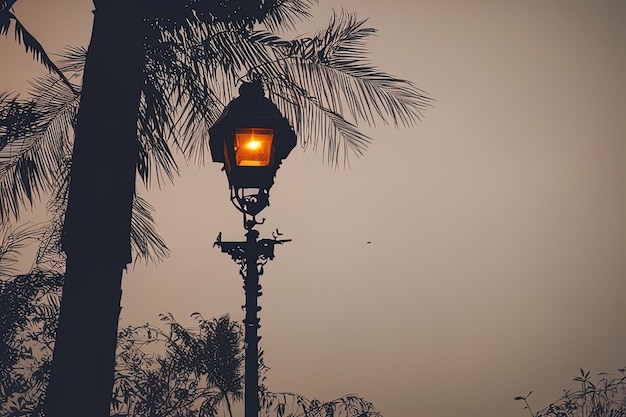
157	75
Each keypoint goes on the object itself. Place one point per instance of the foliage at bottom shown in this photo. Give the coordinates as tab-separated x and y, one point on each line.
603	397
165	371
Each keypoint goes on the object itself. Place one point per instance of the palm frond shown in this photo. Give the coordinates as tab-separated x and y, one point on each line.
35	139
145	241
340	138
12	241
31	44
162	113
330	75
325	85
335	61
50	255
155	157
284	15
200	73
178	98
72	61
5	16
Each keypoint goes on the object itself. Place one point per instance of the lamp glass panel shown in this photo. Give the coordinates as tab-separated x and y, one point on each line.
253	146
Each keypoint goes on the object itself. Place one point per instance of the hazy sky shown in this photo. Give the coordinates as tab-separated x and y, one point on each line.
497	262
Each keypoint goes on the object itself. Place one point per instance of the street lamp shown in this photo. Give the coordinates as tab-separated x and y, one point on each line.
251	138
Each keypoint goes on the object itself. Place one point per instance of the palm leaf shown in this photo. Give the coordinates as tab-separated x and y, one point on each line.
185	88
35	138
12	241
325	85
31	44
155	157
145	241
72	61
6	16
333	64
285	14
329	75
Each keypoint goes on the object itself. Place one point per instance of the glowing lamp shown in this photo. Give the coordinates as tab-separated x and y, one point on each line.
251	138
253	147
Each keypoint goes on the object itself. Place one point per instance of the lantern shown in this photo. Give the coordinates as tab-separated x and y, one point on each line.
251	138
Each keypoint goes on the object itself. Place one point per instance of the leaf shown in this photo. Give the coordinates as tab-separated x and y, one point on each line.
280	409
33	46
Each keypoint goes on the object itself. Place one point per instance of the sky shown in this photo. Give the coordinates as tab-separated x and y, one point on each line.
497	262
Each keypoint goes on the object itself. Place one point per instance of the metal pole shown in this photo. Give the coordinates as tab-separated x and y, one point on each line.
251	255
251	323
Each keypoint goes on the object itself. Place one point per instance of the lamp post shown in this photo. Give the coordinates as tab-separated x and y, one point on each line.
251	138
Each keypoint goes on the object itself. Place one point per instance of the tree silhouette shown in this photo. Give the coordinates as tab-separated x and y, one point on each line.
156	76
191	370
30	306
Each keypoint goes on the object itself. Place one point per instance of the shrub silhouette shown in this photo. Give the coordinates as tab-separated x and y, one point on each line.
605	397
173	372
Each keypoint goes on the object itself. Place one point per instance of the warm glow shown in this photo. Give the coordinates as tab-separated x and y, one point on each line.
253	144
253	147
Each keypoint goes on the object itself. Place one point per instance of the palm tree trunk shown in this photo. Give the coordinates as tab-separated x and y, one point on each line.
96	234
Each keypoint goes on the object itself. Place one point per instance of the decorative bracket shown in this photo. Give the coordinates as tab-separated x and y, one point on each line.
239	251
